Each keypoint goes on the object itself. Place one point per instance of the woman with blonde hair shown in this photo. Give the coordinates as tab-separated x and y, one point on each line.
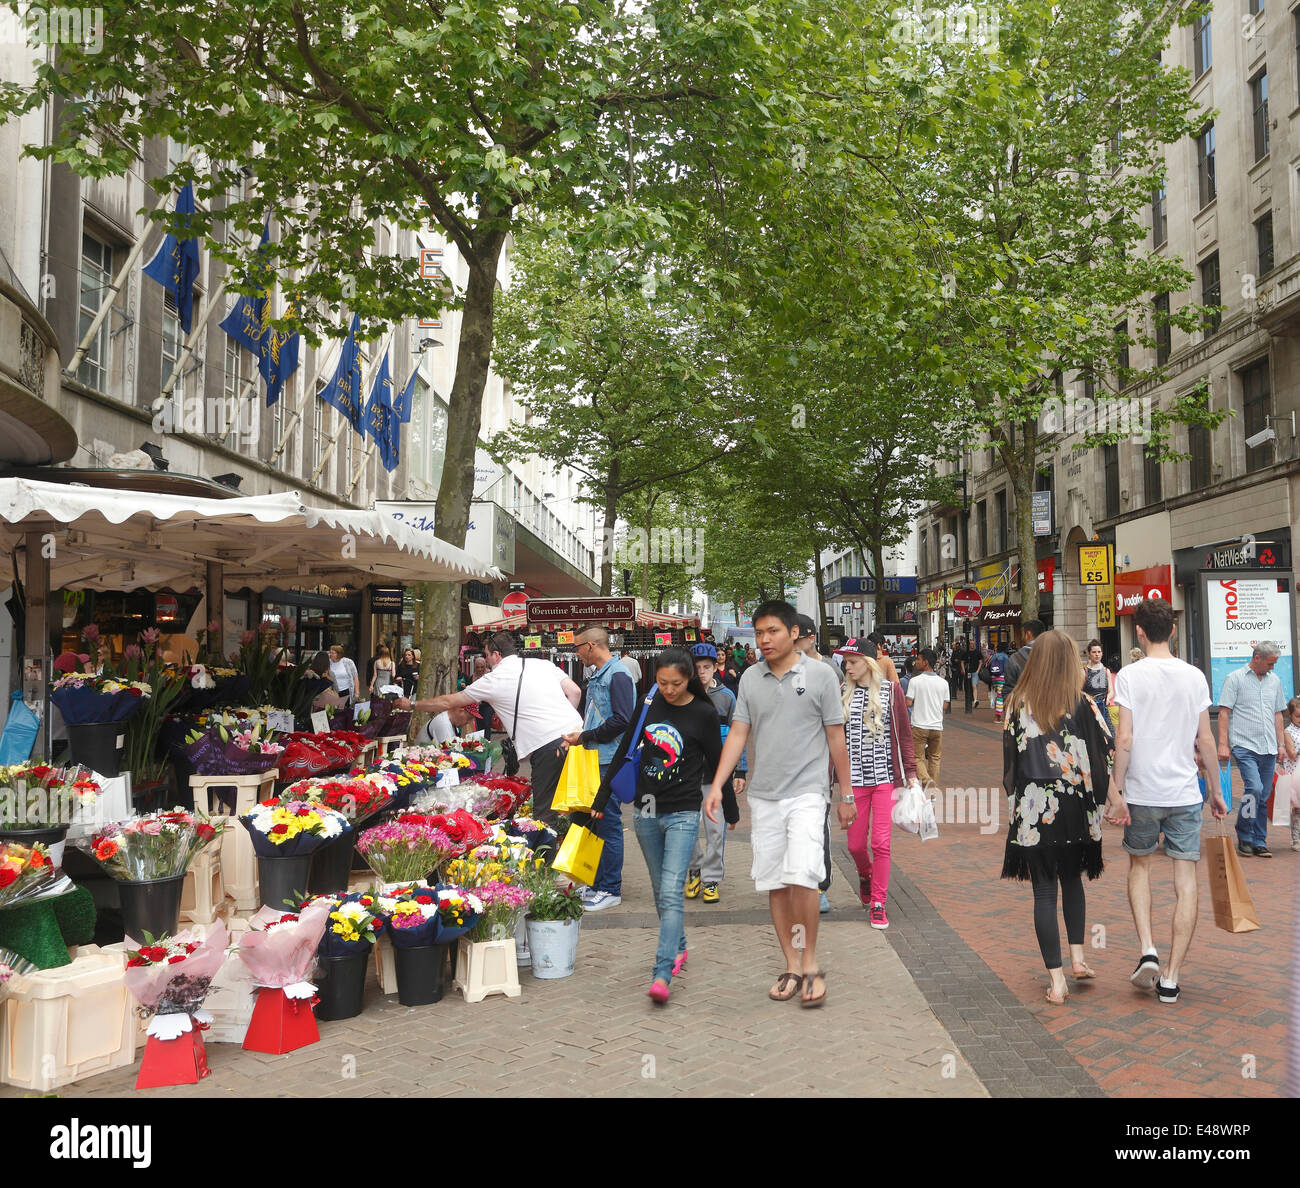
1057	752
879	735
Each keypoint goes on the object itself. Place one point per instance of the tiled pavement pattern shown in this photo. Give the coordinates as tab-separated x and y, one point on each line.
596	1033
1232	1019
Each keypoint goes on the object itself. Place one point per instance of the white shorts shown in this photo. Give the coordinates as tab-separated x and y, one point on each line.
787	840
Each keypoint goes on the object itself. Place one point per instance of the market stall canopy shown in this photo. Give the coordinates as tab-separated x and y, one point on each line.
105	539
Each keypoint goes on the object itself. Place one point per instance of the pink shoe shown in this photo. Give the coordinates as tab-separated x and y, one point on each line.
681	961
659	992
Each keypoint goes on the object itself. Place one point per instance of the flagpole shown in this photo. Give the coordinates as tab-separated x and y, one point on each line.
365	387
295	413
83	347
366	455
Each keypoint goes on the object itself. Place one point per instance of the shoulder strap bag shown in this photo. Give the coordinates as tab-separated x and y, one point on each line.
508	752
623	782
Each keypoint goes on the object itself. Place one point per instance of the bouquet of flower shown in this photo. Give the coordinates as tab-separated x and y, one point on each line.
84	699
420	916
356	799
221	750
477	872
279	948
38	796
536	835
496	796
404	852
170	977
12	966
155	846
354	922
464	829
282	828
26	873
502	902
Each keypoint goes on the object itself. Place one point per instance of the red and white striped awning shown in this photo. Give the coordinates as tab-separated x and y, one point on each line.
651	620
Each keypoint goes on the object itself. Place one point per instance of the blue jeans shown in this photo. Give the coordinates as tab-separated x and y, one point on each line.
1257	776
667	843
609	874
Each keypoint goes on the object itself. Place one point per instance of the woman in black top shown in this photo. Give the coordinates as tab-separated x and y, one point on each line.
408	672
679	743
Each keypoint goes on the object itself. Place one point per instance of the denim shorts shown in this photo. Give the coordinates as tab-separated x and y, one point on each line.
1181	825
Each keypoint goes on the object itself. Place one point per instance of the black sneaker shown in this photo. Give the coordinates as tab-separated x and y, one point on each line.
1262	852
1246	851
1166	991
1147	972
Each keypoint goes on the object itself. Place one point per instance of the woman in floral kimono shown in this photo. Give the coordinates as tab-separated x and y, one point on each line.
1057	753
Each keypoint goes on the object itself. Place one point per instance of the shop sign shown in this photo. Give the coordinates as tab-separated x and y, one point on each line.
1248	553
1095	568
995	615
1046	571
1041	513
1133	585
385	599
1240	613
584	610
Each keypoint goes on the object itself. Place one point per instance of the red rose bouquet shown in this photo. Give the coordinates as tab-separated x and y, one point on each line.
154	846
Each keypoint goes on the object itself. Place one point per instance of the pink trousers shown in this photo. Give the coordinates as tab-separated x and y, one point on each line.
869	836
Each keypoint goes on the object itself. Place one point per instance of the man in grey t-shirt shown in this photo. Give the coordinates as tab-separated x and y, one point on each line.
788	710
806	643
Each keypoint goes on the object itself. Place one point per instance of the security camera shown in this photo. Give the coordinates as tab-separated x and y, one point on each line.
1258	439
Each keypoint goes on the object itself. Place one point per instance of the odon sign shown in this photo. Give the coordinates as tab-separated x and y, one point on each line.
1240	613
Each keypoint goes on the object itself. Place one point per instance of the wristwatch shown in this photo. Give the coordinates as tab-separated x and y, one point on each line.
847	799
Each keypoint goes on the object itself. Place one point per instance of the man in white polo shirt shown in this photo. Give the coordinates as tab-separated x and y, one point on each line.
927	698
547	703
788	710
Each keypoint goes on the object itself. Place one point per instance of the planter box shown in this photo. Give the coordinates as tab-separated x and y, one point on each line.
486	967
204	893
60	1025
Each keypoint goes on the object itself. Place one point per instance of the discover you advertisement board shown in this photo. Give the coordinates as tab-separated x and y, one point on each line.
1241	612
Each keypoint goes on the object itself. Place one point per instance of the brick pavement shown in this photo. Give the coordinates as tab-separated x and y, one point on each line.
596	1033
1233	1015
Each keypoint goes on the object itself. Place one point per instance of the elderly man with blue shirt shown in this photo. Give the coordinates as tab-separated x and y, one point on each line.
1251	728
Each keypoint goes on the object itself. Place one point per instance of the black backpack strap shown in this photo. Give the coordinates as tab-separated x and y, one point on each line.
514	722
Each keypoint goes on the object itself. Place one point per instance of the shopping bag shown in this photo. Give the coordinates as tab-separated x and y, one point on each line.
1225	786
579	854
909	809
579	780
21	728
1283	798
1234	910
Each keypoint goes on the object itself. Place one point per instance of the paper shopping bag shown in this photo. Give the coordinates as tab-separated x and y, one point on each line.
579	854
579	780
1234	910
1279	803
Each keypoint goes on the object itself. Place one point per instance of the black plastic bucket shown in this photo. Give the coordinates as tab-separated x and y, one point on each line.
96	745
283	878
331	864
341	985
152	906
420	974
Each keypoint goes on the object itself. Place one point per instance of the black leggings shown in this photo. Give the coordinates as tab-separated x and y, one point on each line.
1072	901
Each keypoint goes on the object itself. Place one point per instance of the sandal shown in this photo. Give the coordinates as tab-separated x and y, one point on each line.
1082	975
1058	1001
809	979
783	991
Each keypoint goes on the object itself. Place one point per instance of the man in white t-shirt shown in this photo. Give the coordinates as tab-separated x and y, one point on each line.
928	700
1163	735
547	701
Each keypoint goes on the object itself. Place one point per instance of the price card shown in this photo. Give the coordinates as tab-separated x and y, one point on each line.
320	722
280	720
359	708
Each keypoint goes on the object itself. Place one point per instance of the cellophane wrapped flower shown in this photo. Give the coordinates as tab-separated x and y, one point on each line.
279	949
536	835
355	921
465	830
83	698
502	904
405	851
38	796
154	846
436	915
171	976
282	828
12	965
355	798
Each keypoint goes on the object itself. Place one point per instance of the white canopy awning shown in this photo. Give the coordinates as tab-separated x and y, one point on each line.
121	540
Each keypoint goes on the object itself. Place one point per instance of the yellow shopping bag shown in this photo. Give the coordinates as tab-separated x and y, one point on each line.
579	781
579	854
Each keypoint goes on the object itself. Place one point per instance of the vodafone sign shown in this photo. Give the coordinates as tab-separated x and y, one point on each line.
1136	584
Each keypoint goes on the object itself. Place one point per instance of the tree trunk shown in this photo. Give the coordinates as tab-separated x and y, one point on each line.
607	529
439	643
878	564
1022	465
821	586
645	560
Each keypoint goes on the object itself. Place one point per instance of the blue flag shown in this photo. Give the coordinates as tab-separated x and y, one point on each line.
404	400
344	390
381	422
249	324
176	266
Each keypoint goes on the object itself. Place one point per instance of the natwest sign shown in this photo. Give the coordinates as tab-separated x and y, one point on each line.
1133	586
548	611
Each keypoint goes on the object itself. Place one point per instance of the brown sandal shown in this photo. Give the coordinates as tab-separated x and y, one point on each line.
783	991
809	980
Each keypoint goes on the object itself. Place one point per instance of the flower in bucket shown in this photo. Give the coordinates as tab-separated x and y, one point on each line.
405	852
502	902
154	846
354	922
284	828
430	915
38	796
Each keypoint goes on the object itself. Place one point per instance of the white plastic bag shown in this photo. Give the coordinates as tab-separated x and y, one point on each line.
914	812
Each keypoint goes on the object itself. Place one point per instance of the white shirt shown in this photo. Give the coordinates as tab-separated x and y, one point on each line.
344	674
544	711
927	691
439	728
1166	698
633	666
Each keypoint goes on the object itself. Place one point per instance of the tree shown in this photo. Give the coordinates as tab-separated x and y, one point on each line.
477	117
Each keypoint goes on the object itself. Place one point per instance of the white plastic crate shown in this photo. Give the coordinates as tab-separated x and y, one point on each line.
60	1025
205	889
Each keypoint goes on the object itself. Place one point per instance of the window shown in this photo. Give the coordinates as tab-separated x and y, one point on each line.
1210	294
1256	403
1255	7
96	277
1110	459
235	376
1121	354
1163	331
1264	243
982	528
1159	216
1000	510
1151	476
172	341
1259	112
1205	165
1198	446
1202	59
